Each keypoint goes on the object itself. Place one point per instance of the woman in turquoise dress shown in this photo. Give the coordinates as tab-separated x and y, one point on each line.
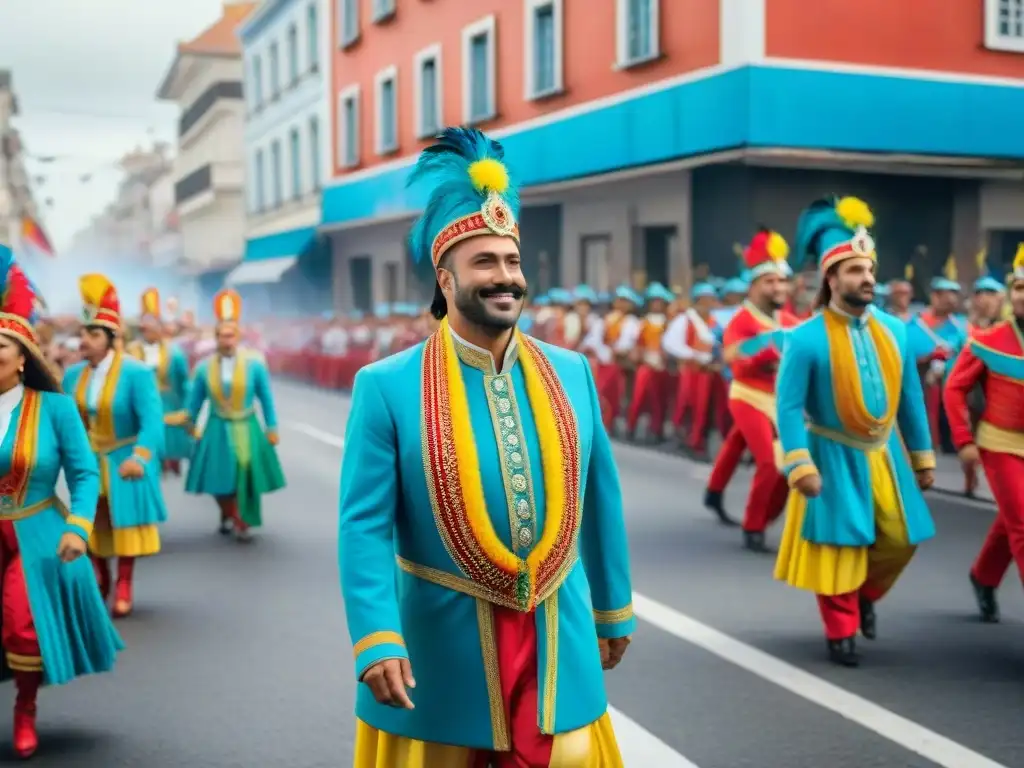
118	400
235	459
170	366
55	625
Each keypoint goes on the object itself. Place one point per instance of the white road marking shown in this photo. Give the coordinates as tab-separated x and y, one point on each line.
638	744
897	729
317	434
640	748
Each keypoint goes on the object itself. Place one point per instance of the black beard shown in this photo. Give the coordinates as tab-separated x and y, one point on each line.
855	300
471	303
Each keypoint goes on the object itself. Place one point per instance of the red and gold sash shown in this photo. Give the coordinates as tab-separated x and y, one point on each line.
14	485
456	488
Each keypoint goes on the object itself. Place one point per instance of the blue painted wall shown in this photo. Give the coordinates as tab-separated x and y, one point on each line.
752	106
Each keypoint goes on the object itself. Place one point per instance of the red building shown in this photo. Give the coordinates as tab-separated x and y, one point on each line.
651	135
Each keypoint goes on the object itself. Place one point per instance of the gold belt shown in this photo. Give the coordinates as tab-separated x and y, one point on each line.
234	415
9	512
999	440
849	441
109	446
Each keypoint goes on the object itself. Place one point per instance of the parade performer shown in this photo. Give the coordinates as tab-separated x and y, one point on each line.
55	625
994	359
752	350
581	318
235	459
118	400
651	385
170	365
611	339
512	587
854	433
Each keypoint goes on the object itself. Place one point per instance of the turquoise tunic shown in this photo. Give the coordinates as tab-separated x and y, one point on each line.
172	377
923	341
234	456
427	609
76	636
125	420
811	431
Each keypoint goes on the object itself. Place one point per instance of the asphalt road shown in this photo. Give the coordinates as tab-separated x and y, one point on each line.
238	655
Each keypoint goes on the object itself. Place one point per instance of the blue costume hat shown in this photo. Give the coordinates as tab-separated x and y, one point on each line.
560	296
542	300
702	291
658	292
832	230
948	281
472	193
627	293
988	284
584	293
735	285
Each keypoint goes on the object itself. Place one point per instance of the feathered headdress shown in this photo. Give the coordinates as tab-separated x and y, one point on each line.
766	253
227	306
18	305
151	303
833	229
100	304
472	193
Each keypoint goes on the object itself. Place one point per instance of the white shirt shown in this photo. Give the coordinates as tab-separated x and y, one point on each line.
335	341
151	354
8	402
227	369
674	340
99	378
506	363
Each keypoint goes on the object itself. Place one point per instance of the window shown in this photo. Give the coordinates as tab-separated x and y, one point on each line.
259	173
275	72
275	171
313	37
348	123
383	9
257	82
1004	25
293	54
348	22
478	76
636	31
543	54
385	88
314	152
427	66
293	140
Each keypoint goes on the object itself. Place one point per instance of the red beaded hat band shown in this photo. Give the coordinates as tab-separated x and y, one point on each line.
861	245
493	218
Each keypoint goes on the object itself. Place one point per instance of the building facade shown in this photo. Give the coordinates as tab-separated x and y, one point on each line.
287	127
205	81
16	199
653	135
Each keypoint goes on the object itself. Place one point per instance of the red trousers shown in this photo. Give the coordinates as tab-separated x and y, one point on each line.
18	635
1005	541
650	393
727	460
611	388
516	635
933	405
769	489
229	511
702	393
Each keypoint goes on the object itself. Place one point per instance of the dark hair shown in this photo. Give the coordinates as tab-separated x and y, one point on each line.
439	306
824	297
36	375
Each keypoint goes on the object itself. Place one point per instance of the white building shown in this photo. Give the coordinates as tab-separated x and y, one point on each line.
205	80
287	128
15	193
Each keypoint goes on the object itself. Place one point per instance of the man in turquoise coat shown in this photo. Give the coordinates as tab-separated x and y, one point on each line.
170	366
482	545
855	440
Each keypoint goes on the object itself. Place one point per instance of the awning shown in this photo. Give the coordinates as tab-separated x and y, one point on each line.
262	271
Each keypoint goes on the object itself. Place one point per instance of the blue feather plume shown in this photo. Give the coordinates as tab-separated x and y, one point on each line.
445	165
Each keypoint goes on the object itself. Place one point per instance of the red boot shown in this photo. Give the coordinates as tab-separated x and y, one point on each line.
26	740
123	595
102	567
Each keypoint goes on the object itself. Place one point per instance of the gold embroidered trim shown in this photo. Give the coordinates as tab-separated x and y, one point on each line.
797	456
550	663
374	639
921	460
764	402
492	675
997	440
613	617
804	470
849	441
14	514
20	663
81	522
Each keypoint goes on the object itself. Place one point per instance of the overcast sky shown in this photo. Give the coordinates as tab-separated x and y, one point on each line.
86	74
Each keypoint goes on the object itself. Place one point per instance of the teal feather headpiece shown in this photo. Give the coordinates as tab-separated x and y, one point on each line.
472	193
832	230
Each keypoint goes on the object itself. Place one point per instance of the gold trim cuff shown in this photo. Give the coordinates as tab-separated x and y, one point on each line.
142	453
20	663
922	460
374	639
176	418
800	472
80	522
614	617
799	456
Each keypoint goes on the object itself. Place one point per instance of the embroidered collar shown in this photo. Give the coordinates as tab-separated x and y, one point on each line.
771	321
482	359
